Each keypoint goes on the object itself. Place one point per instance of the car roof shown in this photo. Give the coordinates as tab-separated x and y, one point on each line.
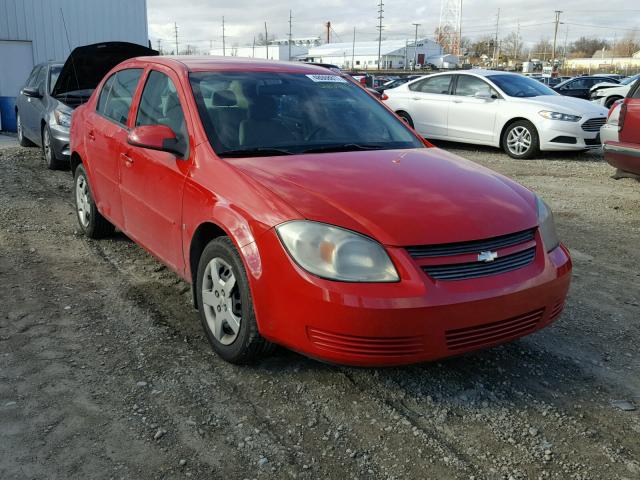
207	63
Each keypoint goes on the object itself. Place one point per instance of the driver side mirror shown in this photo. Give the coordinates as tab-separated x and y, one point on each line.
31	92
484	96
157	137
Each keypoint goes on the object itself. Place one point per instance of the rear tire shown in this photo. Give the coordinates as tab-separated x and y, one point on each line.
225	305
520	140
47	151
91	222
406	117
22	140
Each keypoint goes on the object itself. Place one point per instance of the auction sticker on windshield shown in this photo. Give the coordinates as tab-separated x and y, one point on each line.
327	78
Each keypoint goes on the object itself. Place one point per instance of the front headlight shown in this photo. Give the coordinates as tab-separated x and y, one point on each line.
63	119
546	225
565	117
335	253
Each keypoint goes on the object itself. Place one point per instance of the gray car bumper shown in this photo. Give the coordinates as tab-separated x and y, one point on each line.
60	141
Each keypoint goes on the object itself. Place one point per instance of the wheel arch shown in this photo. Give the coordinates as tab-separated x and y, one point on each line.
74	161
511	121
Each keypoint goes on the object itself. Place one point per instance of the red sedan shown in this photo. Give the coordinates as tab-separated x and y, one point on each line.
623	152
306	214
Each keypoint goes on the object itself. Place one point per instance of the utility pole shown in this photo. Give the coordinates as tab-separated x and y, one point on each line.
353	51
380	27
459	53
266	39
555	36
253	48
290	35
496	49
210	46
515	48
224	49
328	27
175	27
160	46
415	46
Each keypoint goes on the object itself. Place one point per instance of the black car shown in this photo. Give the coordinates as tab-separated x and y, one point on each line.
53	90
579	86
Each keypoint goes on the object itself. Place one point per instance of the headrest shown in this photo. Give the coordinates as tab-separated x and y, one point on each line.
224	98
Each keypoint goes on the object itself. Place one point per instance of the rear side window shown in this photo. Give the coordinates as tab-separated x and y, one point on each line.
439	84
160	105
117	94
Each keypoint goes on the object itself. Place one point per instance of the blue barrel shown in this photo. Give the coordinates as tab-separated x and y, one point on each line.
8	113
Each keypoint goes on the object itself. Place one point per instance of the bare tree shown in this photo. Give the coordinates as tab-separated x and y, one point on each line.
511	46
260	39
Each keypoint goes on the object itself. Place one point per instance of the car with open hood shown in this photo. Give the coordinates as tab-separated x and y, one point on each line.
305	213
607	93
54	89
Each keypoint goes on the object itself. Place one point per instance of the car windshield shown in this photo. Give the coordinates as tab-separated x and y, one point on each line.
520	86
629	80
278	113
54	73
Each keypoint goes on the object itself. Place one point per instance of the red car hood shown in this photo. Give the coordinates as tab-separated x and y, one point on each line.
399	197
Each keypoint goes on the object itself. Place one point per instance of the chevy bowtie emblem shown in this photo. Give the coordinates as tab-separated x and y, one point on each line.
487	256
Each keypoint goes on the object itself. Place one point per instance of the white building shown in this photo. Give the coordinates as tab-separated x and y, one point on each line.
393	54
272	52
32	31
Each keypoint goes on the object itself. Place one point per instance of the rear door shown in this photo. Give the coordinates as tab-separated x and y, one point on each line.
107	129
152	181
429	105
472	111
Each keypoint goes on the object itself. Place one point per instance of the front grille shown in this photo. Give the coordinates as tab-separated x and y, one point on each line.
366	346
463	271
593	124
470	337
473	246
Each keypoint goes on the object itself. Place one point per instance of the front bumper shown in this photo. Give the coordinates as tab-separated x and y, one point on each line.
60	141
414	320
557	135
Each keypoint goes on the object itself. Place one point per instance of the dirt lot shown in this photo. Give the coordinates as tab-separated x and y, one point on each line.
105	373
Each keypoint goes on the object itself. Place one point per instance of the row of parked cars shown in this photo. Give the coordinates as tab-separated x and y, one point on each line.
301	210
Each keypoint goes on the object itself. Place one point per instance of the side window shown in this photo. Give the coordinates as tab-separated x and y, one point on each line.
438	84
118	92
39	81
469	86
635	90
160	105
104	94
31	81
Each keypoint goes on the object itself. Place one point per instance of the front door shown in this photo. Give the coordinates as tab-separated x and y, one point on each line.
152	181
472	112
32	108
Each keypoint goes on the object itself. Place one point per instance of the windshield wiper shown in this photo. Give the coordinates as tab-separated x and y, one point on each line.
347	147
255	152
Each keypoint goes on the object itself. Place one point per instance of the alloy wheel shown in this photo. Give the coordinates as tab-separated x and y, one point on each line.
519	140
221	301
82	201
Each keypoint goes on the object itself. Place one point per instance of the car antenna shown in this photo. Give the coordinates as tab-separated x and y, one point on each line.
73	64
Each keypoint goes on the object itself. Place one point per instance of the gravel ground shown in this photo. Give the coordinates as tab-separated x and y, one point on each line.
105	373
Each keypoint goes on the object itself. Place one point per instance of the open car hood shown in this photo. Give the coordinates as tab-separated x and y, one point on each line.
86	65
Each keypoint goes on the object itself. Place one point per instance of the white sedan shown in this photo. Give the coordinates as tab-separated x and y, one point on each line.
501	109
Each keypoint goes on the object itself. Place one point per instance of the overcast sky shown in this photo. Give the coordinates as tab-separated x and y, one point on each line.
199	21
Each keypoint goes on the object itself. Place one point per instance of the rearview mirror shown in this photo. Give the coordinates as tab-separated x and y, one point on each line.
31	92
156	137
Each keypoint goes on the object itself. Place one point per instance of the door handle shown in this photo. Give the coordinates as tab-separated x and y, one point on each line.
91	135
415	98
128	161
457	101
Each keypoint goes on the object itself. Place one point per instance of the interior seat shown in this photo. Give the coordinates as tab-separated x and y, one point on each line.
226	118
262	127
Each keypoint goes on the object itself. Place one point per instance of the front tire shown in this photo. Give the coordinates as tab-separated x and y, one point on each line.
22	140
92	223
520	140
225	304
47	150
